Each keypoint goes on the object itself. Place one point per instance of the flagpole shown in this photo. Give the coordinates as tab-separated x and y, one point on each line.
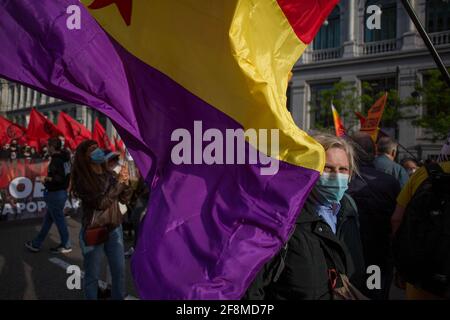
427	40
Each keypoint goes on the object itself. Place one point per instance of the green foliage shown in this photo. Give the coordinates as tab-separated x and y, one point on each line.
345	98
342	95
434	96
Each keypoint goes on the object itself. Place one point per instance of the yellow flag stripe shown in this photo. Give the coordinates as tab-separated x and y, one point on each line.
236	55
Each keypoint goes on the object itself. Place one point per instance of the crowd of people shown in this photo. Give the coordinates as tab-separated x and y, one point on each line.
14	150
348	223
100	180
366	210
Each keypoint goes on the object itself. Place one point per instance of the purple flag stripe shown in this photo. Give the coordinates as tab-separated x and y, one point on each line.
209	228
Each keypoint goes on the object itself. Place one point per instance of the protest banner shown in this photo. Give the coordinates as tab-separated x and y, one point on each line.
21	192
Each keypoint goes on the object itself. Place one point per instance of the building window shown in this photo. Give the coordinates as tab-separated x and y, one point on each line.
11	97
388	28
320	113
19	93
37	98
438	15
374	87
329	35
288	97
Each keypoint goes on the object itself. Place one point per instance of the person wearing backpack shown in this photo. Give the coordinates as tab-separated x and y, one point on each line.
421	228
324	250
56	184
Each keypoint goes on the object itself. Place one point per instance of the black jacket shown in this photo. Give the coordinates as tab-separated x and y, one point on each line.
375	194
305	274
58	171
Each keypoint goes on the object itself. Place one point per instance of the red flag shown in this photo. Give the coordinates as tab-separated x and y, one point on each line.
99	135
338	125
120	147
74	132
371	125
11	131
361	118
40	129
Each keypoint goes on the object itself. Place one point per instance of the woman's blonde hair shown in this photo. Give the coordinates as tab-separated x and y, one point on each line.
329	141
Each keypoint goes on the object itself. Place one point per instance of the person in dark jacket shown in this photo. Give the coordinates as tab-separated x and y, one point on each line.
375	195
5	152
326	239
55	196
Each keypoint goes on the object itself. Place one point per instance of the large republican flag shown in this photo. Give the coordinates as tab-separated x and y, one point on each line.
158	66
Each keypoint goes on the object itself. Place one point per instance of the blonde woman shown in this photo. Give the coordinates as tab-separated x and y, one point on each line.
326	241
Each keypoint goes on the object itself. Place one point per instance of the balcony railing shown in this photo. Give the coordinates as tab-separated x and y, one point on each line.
379	47
440	38
326	54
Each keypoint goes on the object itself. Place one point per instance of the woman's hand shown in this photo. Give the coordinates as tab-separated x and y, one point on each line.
124	176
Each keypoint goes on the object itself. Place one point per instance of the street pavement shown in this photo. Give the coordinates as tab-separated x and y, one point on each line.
42	276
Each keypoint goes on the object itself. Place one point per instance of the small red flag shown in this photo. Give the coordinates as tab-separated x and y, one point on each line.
120	147
361	118
11	131
338	125
74	132
371	125
99	135
40	129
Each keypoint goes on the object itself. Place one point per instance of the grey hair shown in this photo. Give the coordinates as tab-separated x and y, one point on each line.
386	145
329	141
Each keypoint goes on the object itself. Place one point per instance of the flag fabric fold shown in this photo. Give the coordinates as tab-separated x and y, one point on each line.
163	66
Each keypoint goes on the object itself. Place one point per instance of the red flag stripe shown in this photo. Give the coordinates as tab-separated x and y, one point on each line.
306	17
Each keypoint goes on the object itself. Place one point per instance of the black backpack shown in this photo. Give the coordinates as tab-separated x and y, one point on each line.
421	246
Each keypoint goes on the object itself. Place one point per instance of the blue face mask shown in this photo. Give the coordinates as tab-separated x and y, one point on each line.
332	186
97	156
